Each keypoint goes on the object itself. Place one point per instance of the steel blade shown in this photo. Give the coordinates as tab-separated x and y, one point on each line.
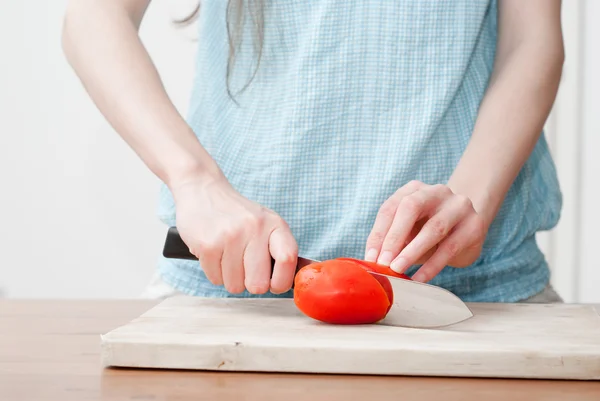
421	305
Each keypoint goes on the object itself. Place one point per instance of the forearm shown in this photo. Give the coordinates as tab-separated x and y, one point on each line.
101	42
511	117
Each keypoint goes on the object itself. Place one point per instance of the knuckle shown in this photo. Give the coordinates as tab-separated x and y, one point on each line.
254	221
288	256
375	238
439	227
204	248
280	223
392	241
452	248
229	235
412	204
464	201
442	189
387	210
213	245
414	184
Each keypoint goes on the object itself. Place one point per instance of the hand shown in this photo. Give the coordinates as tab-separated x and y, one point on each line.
235	238
429	225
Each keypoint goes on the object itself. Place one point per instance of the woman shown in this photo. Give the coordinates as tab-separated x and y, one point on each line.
403	132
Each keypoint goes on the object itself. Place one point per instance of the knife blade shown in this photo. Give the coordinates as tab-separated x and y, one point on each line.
422	305
415	305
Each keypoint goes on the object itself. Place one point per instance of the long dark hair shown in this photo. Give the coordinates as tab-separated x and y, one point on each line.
235	20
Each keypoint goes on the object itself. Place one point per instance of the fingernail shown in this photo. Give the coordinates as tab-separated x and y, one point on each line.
385	258
399	265
371	255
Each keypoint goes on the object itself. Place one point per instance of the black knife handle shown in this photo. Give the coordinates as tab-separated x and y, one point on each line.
175	248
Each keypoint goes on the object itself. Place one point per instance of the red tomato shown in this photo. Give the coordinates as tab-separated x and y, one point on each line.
378	268
385	283
340	292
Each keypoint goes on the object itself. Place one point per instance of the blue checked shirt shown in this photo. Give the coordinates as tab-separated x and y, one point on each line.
352	100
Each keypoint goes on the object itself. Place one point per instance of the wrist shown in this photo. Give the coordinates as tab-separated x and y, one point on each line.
486	201
192	171
190	165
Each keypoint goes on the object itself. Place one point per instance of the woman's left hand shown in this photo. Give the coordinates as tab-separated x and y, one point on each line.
428	225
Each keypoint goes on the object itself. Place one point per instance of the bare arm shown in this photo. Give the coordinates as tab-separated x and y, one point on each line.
100	40
521	92
522	89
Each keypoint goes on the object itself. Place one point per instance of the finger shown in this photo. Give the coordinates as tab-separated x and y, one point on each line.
232	264
384	220
466	234
415	231
210	263
410	210
209	257
257	266
433	232
284	249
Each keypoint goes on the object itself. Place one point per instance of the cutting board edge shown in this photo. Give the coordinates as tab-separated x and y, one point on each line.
120	354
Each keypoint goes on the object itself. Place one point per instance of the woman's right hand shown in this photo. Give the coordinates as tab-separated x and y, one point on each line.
234	238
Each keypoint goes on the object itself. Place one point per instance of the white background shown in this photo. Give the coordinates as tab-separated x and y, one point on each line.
78	207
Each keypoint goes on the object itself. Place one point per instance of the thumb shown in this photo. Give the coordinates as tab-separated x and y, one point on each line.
284	250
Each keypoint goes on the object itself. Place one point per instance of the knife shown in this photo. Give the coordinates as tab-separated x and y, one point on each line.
416	305
175	248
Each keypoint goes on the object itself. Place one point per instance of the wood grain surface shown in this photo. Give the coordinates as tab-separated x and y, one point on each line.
50	350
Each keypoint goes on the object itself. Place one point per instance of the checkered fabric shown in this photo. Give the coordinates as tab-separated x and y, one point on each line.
352	100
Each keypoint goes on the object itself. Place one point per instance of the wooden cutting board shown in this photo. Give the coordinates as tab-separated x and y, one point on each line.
558	341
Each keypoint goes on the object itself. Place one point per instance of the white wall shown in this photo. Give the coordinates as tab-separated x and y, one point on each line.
74	224
78	226
573	135
589	261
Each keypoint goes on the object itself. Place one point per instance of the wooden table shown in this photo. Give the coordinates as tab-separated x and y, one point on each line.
49	350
